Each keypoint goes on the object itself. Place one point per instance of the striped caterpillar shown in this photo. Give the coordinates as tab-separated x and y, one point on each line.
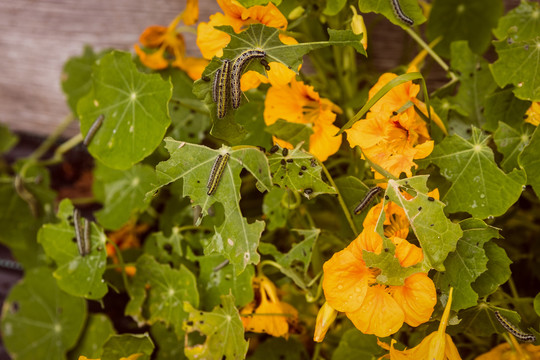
216	172
513	329
220	86
370	195
238	67
82	235
400	14
93	129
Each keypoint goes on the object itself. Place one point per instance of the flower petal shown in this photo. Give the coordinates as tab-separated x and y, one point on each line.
379	314
345	281
417	298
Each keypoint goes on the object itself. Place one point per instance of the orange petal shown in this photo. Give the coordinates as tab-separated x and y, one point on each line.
345	281
153	36
323	143
423	150
194	67
367	133
268	15
408	254
379	314
153	60
191	12
417	297
279	74
212	41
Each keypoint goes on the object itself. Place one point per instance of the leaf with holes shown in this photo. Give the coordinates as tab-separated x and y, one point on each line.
521	23
166	249
122	193
298	170
158	292
134	106
409	7
478	187
276	207
223	330
295	263
518	65
234	237
466	263
40	321
77	275
436	234
258	36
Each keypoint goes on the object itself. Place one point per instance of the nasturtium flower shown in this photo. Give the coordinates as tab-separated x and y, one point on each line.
164	46
352	287
267	314
299	103
532	116
212	41
390	139
359	27
436	346
130	357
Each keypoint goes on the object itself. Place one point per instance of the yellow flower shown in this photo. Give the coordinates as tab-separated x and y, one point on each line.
512	352
267	314
299	103
390	139
351	287
165	46
533	114
359	27
212	41
436	346
325	318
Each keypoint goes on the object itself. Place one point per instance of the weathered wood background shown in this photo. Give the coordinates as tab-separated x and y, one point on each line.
38	36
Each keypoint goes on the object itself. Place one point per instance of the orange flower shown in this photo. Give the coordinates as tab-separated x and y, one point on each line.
351	287
390	139
299	103
436	346
268	315
212	41
532	116
325	318
125	238
166	43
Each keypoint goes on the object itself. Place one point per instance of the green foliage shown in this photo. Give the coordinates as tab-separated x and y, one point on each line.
479	187
223	329
159	291
77	275
410	8
122	193
171	267
463	20
50	319
134	106
122	346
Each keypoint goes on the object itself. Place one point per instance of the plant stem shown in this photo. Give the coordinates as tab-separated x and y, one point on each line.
340	200
45	146
430	51
62	149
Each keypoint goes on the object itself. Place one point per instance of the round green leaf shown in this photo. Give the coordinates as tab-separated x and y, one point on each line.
40	321
98	329
134	106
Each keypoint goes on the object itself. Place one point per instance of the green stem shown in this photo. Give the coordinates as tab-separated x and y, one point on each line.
432	53
62	149
513	288
45	146
316	351
120	264
340	200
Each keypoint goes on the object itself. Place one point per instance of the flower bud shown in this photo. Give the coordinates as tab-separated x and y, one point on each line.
325	318
359	27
